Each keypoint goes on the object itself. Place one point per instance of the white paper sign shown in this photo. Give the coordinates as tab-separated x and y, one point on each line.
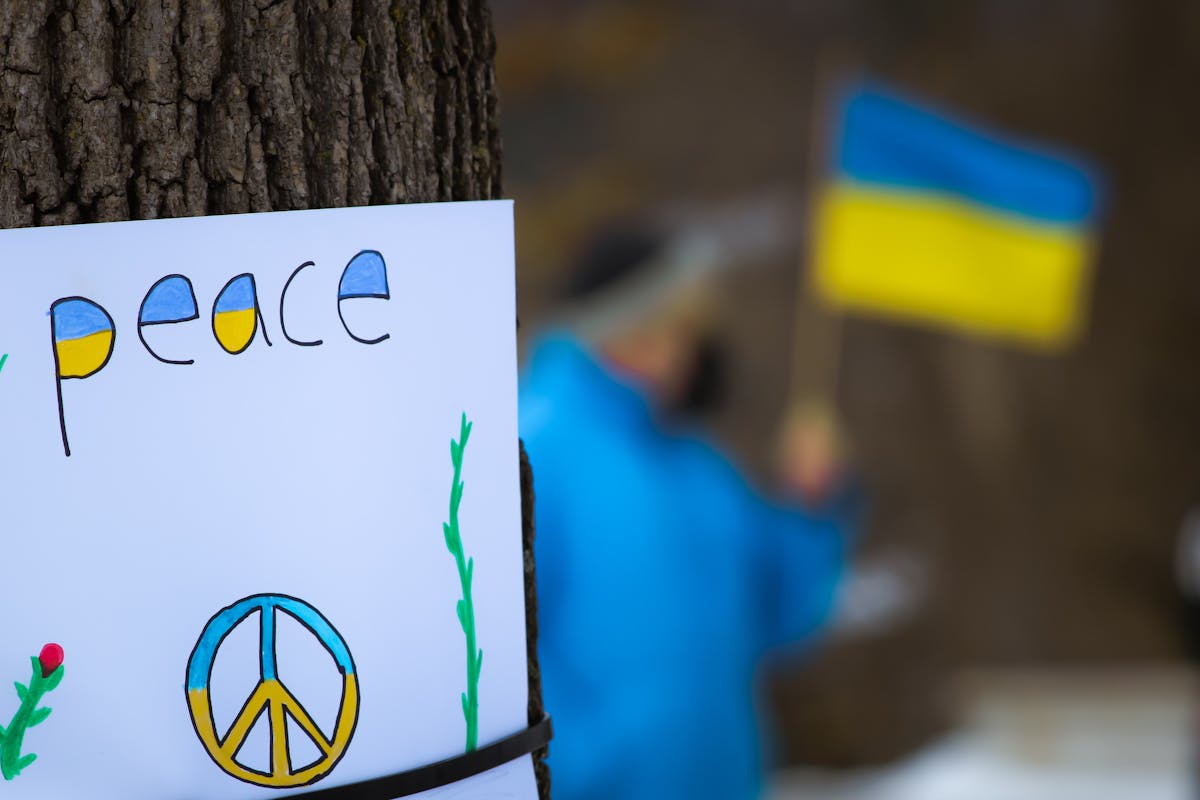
233	561
513	781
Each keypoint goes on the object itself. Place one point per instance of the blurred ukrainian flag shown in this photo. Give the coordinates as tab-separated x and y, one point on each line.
930	221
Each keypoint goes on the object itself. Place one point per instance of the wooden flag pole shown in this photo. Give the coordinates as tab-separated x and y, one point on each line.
816	351
813	440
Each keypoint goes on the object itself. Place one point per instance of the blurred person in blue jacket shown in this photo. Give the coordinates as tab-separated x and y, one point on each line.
664	579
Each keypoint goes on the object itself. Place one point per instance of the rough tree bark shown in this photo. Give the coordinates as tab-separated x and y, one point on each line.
136	109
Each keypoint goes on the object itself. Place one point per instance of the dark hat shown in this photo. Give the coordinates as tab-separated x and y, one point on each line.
614	254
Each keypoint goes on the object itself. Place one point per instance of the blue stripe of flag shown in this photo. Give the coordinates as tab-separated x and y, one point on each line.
888	140
74	319
237	296
364	276
171	300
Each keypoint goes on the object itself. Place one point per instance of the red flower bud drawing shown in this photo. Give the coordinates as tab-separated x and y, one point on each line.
51	658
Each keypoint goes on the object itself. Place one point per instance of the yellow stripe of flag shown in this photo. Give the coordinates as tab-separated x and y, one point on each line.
925	257
79	358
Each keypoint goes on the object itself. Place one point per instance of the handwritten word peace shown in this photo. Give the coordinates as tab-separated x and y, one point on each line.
84	333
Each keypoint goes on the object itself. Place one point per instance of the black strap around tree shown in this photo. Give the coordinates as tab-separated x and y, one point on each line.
441	773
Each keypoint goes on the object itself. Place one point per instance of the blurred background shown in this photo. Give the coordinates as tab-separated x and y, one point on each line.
1014	627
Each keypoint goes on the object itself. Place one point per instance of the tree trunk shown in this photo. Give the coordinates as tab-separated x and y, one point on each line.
133	109
136	109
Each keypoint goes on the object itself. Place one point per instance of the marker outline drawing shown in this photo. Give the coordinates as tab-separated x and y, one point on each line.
270	695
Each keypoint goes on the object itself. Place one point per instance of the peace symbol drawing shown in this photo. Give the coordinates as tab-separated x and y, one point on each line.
271	696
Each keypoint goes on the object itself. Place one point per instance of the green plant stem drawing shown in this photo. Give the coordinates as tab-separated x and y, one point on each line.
3	358
466	570
28	715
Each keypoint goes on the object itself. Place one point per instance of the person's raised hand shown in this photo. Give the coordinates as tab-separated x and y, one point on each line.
813	459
